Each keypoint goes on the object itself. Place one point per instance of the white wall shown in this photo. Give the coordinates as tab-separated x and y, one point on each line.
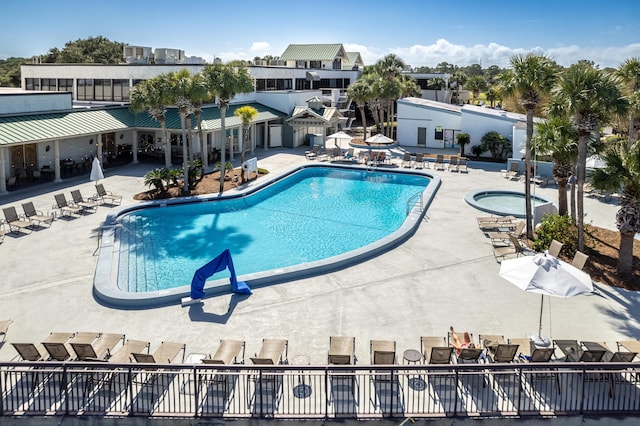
414	113
478	121
18	102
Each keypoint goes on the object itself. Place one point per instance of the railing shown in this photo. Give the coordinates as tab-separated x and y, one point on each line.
415	198
325	392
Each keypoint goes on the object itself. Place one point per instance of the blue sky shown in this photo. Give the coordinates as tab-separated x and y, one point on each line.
421	32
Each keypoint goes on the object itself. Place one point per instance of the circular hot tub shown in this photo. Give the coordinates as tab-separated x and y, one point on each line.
502	202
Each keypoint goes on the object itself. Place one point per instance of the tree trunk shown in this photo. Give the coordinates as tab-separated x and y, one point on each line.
245	137
573	198
562	196
203	144
363	117
583	141
625	253
167	145
190	138
223	160
527	175
185	160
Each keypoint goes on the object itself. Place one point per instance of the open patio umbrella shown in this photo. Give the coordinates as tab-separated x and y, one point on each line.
96	171
545	274
379	139
596	162
340	136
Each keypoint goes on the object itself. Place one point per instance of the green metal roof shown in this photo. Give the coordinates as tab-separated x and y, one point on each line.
354	58
313	52
19	129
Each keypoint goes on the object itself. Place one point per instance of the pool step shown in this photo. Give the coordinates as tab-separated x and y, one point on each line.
137	271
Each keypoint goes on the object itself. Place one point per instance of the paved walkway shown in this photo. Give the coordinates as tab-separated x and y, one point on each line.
444	275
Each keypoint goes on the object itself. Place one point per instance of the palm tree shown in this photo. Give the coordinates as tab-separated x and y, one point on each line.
180	86
389	69
476	84
623	171
629	73
436	83
246	114
530	78
557	138
198	95
152	96
492	95
360	92
591	97
224	83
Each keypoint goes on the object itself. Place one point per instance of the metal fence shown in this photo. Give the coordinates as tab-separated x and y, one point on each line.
319	392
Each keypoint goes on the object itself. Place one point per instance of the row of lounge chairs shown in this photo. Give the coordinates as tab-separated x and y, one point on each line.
33	219
79	204
420	161
114	348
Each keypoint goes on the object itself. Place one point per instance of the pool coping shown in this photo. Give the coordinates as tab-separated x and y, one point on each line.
107	292
469	198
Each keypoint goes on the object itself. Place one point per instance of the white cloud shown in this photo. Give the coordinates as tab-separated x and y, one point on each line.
260	46
494	54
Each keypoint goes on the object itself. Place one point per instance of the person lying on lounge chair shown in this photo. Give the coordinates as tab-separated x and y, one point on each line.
458	344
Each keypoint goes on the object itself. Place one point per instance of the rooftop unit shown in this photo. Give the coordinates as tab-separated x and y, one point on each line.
138	54
169	56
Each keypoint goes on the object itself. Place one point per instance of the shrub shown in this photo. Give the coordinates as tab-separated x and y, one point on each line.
560	228
498	145
477	150
156	178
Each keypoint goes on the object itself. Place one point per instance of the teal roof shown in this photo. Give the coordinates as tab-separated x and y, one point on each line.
17	129
313	52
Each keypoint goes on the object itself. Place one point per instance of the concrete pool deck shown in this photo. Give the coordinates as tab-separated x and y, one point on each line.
444	275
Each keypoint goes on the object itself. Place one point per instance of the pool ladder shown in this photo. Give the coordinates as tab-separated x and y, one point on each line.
417	197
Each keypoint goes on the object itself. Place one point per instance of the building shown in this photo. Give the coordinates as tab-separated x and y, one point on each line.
68	113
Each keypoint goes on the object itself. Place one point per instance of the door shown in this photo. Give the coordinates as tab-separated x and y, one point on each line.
422	136
275	136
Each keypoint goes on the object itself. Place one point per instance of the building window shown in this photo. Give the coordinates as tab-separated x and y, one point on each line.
65	85
85	89
439	133
32	83
120	90
49	84
315	64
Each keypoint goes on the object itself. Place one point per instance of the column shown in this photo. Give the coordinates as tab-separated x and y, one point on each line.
56	160
3	173
252	139
265	139
98	140
134	147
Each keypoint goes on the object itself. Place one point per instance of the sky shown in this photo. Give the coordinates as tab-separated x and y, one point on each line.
420	32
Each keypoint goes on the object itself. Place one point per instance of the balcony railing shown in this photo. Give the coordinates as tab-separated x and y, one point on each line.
319	392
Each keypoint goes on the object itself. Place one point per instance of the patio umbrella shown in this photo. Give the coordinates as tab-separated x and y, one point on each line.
596	162
379	139
545	274
340	136
96	171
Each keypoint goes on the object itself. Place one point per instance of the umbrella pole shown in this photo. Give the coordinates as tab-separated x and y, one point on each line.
540	340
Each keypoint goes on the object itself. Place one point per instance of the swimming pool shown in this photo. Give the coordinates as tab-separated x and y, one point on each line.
502	202
312	220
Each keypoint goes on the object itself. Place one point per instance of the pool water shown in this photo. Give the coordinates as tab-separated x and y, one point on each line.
313	214
503	202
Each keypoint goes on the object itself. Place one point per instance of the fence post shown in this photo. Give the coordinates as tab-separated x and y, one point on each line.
196	386
64	386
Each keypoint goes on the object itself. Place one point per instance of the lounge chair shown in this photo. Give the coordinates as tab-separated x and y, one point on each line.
342	350
406	160
514	171
56	344
516	249
65	208
30	352
435	350
542	180
107	197
35	216
419	161
482	220
125	353
383	352
167	352
348	156
453	163
462	165
98	350
312	154
528	352
468	355
4	327
227	353
498	350
84	203
631	346
439	163
575	352
272	352
502	237
16	224
554	248
579	260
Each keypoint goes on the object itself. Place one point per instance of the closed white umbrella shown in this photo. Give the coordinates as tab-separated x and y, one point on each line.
96	171
545	274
